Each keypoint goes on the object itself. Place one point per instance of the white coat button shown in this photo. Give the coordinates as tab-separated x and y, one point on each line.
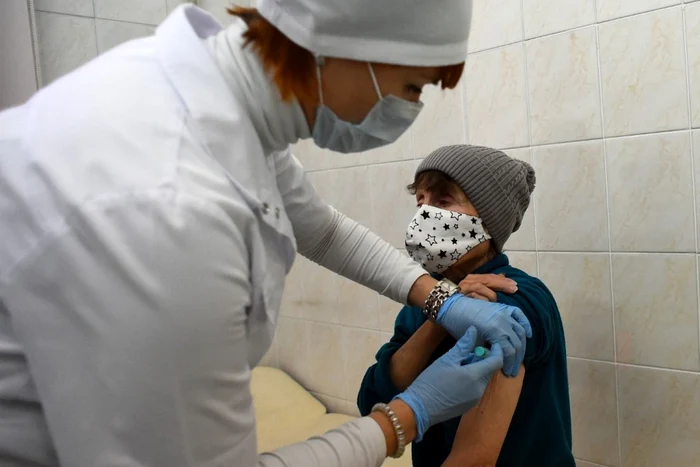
266	208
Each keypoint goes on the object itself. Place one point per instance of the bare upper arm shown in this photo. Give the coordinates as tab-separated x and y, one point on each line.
483	429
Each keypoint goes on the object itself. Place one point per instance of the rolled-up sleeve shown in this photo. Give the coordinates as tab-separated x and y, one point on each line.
338	243
132	315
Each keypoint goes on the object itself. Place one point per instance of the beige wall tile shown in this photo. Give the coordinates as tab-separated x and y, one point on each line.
610	9
357	305
293	348
570	197
392	206
564	88
326	359
65	43
547	16
137	11
388	311
580	284
494	23
643	73
112	33
692	18
67	7
320	295
659	417
594	411
496	98
441	122
650	189
401	150
656	310
524	238
359	348
525	261
293	297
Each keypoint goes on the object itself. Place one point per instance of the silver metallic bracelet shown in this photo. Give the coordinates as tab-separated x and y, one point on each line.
400	436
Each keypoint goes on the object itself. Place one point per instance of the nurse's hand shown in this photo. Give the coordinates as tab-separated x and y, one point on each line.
452	385
496	323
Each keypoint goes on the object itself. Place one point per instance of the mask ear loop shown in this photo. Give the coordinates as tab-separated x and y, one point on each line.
319	63
374	80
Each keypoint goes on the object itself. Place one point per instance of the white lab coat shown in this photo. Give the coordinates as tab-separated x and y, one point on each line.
145	234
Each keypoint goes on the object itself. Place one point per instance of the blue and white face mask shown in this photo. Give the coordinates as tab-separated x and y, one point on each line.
385	123
437	238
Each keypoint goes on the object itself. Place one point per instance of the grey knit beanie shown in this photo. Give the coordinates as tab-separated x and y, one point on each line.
497	185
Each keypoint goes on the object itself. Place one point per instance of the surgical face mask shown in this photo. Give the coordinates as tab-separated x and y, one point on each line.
385	123
437	238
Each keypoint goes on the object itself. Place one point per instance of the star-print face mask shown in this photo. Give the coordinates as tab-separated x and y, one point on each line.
437	238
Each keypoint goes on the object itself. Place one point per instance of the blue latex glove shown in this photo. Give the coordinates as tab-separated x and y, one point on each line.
452	385
495	322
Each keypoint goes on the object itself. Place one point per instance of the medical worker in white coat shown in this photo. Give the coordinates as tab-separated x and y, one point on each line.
150	210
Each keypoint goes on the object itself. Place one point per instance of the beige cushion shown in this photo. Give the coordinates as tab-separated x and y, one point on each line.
286	413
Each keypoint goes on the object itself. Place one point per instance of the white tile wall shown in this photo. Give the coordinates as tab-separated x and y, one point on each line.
111	33
643	72
543	17
600	96
497	97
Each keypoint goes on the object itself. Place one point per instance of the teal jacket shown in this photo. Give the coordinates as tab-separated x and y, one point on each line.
540	431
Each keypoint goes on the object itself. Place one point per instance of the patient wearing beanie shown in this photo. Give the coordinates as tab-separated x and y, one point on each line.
470	200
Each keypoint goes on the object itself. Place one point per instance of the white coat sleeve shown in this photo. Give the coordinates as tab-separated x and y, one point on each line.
338	243
132	316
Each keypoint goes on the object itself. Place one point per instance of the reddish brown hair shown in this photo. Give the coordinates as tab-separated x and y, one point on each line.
435	182
293	68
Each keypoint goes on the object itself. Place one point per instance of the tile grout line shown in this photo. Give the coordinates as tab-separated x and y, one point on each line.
529	132
635	365
692	164
577	28
603	133
560	143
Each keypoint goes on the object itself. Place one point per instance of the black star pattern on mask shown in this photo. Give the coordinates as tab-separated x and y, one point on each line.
454	255
420	246
414	224
472	233
464	235
426	215
456	226
438	216
431	240
442	254
469	248
438	267
475	220
429	257
447	226
455	215
454	241
482	238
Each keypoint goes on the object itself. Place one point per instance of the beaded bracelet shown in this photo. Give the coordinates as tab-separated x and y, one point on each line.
400	436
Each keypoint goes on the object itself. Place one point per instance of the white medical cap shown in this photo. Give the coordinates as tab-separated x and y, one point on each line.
398	32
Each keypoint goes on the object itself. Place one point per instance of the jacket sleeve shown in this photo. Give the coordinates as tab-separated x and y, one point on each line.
377	385
338	243
133	320
535	300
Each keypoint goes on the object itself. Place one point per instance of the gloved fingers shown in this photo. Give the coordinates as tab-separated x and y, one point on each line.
513	364
465	345
522	335
509	345
485	368
518	315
